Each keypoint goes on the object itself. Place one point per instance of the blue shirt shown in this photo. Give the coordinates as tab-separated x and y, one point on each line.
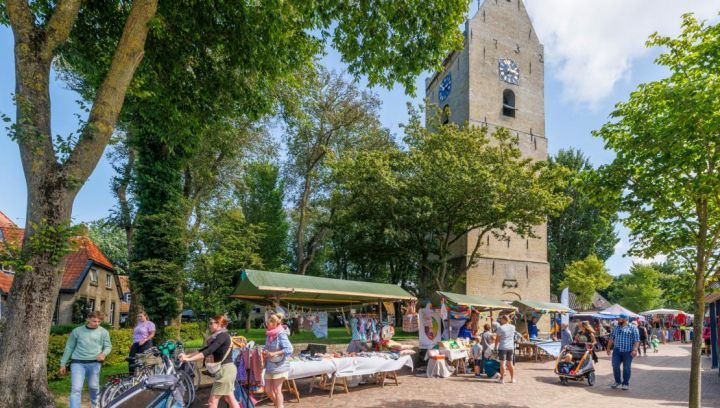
532	330
464	333
624	337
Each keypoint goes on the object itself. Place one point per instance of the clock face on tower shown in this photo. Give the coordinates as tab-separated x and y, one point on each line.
445	88
509	71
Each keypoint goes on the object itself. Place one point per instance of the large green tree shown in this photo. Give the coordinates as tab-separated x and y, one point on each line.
262	201
585	277
450	182
667	143
333	117
55	172
586	226
639	290
676	284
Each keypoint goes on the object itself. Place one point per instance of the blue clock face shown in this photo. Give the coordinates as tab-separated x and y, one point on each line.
445	88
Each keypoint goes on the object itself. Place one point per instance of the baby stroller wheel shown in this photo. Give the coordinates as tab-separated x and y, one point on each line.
591	378
563	381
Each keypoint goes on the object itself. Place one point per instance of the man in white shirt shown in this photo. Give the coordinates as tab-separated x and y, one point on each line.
505	344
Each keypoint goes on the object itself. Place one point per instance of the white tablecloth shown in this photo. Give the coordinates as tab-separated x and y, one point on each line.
454	354
347	366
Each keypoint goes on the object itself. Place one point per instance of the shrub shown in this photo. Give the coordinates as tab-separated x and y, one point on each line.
121	341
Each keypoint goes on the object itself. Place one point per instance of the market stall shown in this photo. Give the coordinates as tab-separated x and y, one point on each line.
713	321
669	324
440	327
539	347
318	294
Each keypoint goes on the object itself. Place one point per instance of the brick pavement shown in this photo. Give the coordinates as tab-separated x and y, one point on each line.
659	380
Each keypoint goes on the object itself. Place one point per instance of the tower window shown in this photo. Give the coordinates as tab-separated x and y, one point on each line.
509	103
445	117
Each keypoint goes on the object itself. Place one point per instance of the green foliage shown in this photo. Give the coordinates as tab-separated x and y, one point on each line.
585	277
189	333
52	242
676	285
227	245
448	182
585	226
262	203
112	241
639	290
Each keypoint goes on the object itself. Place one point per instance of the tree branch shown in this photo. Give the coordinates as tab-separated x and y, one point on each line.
59	26
111	94
21	20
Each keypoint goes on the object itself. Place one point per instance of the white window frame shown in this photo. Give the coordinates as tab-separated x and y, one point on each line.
112	313
108	280
93	277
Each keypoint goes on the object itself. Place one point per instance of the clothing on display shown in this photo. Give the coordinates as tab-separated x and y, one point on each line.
410	319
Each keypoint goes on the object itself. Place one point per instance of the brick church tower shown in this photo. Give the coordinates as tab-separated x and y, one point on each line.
497	81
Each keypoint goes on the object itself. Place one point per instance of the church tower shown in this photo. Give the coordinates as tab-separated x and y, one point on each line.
497	80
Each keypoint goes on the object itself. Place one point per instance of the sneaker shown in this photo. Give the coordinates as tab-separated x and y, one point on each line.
501	381
615	385
479	375
625	387
513	380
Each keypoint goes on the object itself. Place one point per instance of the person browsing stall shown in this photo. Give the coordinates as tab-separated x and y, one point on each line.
466	330
143	335
277	350
505	344
219	345
624	342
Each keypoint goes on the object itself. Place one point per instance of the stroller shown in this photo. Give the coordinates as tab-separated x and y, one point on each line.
580	368
157	391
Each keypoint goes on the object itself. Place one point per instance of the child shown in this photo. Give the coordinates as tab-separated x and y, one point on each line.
477	356
566	364
654	342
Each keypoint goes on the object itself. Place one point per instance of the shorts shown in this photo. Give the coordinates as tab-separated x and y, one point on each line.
506	355
478	362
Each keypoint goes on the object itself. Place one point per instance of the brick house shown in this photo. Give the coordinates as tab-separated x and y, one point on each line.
125	299
89	281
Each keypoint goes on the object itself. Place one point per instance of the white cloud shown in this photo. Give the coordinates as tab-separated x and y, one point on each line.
591	45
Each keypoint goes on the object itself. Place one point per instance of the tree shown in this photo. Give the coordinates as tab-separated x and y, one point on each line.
227	244
676	284
112	242
585	226
334	117
54	172
667	153
449	182
639	289
585	277
262	204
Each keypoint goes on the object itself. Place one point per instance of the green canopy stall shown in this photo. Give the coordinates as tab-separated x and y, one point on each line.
542	307
479	302
268	287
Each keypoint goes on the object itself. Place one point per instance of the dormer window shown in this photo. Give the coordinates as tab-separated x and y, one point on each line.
93	277
108	280
508	107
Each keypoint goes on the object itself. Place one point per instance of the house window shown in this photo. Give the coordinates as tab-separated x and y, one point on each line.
128	297
91	305
509	103
112	313
93	277
108	280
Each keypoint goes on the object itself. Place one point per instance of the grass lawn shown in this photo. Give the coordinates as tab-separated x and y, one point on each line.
336	335
61	388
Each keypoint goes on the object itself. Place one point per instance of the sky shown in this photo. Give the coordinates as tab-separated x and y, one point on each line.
595	55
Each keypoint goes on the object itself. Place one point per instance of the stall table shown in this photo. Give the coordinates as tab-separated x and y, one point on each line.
457	358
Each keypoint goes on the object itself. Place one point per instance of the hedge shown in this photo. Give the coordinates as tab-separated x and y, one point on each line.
121	341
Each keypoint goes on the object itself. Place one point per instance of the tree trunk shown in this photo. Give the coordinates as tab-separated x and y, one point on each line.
695	359
52	186
302	263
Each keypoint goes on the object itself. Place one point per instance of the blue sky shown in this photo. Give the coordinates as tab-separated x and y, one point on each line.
595	55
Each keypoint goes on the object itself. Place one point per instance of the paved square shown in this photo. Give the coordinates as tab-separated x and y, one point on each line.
659	380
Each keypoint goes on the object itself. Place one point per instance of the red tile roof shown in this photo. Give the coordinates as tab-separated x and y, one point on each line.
10	231
6	280
124	283
75	262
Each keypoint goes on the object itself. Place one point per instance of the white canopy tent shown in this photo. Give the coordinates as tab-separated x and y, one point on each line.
616	310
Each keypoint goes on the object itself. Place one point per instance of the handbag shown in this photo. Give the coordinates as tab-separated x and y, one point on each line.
213	368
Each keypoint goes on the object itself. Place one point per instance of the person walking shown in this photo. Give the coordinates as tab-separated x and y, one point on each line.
624	342
143	335
86	349
505	344
644	338
486	344
586	338
219	345
277	350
